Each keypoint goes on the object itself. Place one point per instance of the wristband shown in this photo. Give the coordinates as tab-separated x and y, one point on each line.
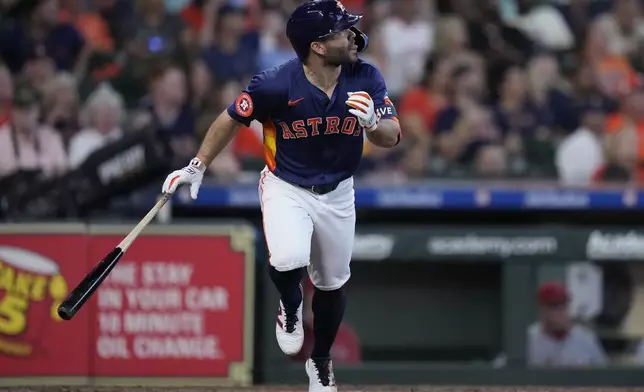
196	163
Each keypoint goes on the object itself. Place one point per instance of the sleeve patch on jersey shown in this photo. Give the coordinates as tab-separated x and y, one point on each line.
244	105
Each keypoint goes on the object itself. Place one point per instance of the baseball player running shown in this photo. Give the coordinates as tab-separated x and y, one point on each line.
315	111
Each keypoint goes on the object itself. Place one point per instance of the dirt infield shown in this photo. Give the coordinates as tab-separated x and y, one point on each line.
303	388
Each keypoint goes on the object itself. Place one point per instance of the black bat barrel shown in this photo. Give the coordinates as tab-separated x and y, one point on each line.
88	285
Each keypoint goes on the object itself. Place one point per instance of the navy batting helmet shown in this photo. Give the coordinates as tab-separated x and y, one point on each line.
315	20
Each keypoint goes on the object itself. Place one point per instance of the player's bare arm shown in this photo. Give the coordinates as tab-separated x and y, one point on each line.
220	133
386	133
218	136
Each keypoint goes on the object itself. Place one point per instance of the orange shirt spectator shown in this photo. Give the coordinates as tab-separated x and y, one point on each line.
420	105
248	144
615	76
93	28
420	102
193	16
617	123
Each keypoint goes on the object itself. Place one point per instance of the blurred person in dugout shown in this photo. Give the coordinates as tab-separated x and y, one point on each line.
26	144
554	340
346	348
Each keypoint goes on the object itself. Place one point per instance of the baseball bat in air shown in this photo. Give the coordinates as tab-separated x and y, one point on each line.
81	293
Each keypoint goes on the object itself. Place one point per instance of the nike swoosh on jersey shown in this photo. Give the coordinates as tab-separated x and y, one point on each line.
294	102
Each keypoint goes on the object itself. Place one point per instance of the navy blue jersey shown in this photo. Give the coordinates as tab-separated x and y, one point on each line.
310	139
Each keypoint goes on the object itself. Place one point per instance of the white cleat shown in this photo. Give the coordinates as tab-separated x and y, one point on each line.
321	378
289	329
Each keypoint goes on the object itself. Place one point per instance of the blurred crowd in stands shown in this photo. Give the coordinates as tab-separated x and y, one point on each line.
493	89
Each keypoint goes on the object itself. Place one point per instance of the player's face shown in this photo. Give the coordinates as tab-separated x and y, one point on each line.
556	317
340	48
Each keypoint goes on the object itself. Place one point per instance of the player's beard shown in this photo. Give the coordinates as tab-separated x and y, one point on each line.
340	56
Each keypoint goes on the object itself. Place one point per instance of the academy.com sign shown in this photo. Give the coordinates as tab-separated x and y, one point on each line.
478	245
624	246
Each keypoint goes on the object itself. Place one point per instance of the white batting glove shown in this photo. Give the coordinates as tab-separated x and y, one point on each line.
191	174
364	109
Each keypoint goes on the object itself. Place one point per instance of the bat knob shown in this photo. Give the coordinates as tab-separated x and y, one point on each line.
65	313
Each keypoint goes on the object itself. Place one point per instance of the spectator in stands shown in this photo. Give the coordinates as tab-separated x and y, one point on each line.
38	68
61	105
413	165
275	48
543	23
581	154
103	114
524	125
227	163
556	98
375	12
27	144
451	36
120	18
464	125
167	109
346	348
566	104
630	120
579	13
42	32
408	37
491	162
622	160
232	53
490	36
543	76
554	340
614	75
204	99
6	94
159	34
193	15
91	25
623	28
420	105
